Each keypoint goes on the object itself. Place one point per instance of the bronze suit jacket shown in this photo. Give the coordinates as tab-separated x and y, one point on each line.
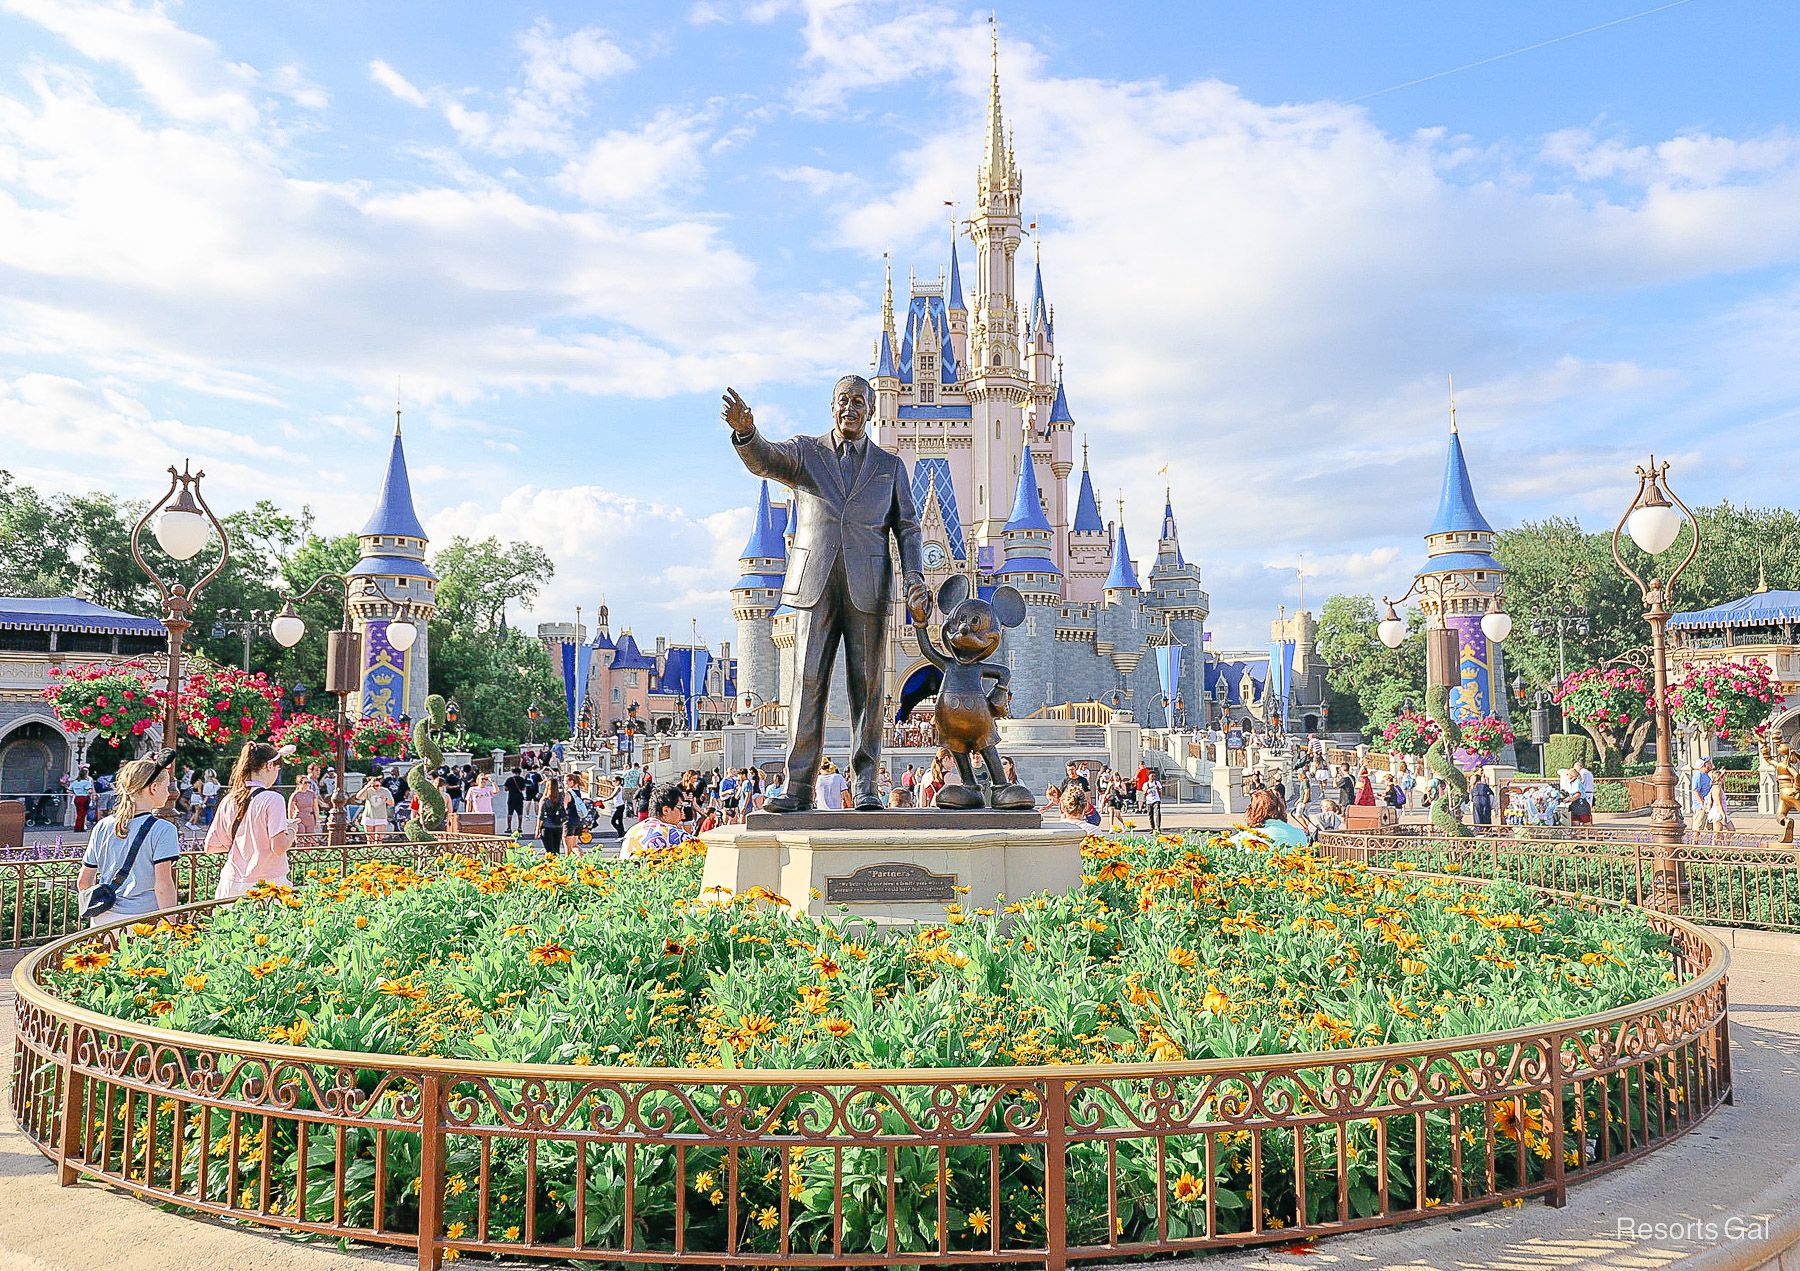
831	522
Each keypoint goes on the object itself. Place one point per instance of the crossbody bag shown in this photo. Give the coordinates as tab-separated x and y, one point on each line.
102	896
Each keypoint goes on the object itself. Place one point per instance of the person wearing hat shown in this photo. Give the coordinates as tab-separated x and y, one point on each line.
133	851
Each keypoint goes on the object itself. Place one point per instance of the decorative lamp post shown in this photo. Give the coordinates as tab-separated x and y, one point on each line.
297	695
185	526
453	717
532	715
343	669
1561	620
1539	703
1654	524
240	622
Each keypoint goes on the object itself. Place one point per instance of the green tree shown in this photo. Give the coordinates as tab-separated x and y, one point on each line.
493	671
1369	681
477	580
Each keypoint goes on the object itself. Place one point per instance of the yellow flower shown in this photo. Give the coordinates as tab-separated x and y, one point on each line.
146	972
839	1027
362	922
766	1218
143	928
550	953
826	966
455	1230
1182	957
704	1180
512	1233
1412	966
756	1025
86	960
1215	1002
978	1221
293	1034
262	937
193	983
816	998
162	1006
1188	1188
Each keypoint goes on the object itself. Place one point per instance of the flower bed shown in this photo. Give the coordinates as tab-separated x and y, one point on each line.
1172	950
1169	949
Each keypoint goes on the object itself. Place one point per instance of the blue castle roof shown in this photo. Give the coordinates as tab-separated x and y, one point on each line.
1457	511
1087	508
391	566
1027	565
885	363
1123	575
956	296
917	311
1040	312
1059	409
394	513
1027	508
1168	528
67	613
766	538
630	657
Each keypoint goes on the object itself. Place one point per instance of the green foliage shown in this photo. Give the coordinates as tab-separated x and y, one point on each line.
1370	683
494	676
1611	796
433	811
1446	812
476	580
1563	749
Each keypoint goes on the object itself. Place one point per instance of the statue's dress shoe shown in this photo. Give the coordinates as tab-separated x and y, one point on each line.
788	803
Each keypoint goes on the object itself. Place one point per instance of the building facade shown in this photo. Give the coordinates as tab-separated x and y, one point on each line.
392	556
665	689
969	392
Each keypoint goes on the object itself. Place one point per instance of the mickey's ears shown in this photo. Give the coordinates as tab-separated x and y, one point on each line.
1009	605
954	591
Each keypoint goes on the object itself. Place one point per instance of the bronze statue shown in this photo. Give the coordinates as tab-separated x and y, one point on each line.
849	496
966	709
1786	763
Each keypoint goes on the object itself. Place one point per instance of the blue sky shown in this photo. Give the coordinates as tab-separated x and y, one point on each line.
225	229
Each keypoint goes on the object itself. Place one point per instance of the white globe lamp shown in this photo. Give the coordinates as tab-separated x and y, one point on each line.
287	628
401	633
1654	526
1392	629
1495	625
181	530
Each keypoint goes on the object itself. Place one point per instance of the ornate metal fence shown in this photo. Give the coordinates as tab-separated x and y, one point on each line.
933	1167
1744	881
38	900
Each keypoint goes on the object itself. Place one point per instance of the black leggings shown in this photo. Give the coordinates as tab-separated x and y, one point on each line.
552	836
618	820
1155	817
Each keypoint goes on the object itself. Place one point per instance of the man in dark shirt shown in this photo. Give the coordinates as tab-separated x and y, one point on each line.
515	799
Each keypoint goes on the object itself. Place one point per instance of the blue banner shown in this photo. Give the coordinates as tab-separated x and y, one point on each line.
1281	674
584	661
698	665
568	670
1168	672
383	675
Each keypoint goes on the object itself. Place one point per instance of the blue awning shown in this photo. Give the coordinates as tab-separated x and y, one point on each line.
66	613
1758	609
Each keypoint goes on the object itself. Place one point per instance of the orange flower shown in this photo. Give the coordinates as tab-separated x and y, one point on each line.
1183	957
1215	1002
146	972
551	953
839	1027
1188	1188
825	966
86	960
161	1006
815	997
756	1025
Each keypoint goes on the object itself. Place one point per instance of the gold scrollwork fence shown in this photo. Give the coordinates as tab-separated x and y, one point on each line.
1742	881
38	900
935	1167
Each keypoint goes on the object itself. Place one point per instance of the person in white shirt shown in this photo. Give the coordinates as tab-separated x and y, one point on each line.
830	788
1151	797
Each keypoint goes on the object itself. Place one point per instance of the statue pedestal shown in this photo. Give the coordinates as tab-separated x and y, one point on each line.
893	873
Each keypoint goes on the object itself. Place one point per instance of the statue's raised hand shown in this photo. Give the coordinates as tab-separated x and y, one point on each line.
737	414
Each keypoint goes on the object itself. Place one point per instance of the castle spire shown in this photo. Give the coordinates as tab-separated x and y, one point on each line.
394	514
1123	575
996	156
956	295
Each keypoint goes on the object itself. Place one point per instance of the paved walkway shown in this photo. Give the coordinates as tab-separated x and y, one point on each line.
1744	1162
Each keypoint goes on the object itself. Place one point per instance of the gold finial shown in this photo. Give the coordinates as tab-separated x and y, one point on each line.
1121	505
1762	577
1452	404
1084	452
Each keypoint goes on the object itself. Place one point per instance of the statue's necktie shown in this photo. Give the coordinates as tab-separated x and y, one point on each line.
847	464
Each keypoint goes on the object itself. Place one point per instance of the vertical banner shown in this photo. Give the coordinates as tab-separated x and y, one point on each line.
584	661
1472	696
1168	672
698	665
384	675
1281	676
568	672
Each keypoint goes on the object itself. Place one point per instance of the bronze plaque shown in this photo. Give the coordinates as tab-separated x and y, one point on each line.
873	884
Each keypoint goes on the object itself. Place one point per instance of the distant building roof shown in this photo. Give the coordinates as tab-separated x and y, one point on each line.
766	540
1059	409
629	656
394	512
66	613
1758	609
392	566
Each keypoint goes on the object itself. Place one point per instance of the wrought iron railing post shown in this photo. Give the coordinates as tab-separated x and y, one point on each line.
431	1170
1558	1196
1056	1175
69	1134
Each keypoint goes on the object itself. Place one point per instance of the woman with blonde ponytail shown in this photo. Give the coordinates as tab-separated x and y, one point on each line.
146	879
252	824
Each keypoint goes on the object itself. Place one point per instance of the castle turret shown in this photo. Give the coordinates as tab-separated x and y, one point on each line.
1176	591
1029	543
391	550
1122	586
958	311
1458	582
1088	545
754	599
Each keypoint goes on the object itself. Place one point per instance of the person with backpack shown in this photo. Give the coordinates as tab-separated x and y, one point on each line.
252	825
128	869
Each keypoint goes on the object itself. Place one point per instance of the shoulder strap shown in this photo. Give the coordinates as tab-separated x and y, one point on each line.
239	823
137	841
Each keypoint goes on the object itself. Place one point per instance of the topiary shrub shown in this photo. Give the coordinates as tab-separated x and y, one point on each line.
432	809
1446	813
1563	749
1611	796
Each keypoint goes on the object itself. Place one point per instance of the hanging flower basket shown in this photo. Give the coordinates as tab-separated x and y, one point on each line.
1486	737
1727	699
313	737
120	701
1411	734
226	705
376	738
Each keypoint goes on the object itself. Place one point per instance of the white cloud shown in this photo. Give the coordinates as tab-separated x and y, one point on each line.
630	167
396	83
552	94
655	563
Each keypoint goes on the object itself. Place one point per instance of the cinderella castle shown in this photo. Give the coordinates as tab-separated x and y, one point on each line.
969	392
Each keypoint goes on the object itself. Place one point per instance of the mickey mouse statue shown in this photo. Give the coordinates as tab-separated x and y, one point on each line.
965	709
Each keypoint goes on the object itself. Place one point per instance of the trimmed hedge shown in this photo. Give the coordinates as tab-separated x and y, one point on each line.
1610	796
1563	749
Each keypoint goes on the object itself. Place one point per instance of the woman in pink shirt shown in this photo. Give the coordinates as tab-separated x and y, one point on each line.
252	825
